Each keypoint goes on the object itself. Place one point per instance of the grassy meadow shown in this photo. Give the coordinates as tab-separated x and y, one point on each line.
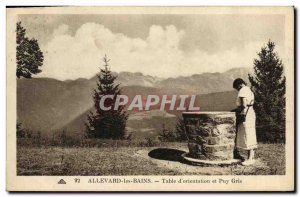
127	159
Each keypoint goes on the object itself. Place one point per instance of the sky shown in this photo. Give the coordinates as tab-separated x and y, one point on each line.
157	45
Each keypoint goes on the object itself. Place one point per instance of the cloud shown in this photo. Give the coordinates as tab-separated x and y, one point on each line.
61	30
73	56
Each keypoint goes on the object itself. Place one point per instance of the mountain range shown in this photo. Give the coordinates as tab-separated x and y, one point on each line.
49	105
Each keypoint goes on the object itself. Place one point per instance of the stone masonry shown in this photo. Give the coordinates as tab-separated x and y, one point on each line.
211	135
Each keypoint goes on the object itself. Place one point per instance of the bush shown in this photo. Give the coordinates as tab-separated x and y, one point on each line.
265	135
86	142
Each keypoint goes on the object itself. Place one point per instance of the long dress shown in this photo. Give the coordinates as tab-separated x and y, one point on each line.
246	132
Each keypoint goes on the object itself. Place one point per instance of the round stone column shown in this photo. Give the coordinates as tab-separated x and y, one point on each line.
211	135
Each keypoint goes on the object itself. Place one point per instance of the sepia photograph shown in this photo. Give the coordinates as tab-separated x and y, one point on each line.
148	99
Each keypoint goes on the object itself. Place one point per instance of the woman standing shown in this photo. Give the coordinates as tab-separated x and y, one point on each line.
246	132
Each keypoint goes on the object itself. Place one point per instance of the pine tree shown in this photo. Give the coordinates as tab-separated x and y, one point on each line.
29	55
268	85
109	124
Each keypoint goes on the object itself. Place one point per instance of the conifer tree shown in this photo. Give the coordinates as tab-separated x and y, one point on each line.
109	124
268	85
29	55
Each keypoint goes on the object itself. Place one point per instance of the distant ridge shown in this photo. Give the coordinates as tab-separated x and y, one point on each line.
47	105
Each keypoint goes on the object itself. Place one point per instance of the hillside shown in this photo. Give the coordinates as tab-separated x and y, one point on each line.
45	104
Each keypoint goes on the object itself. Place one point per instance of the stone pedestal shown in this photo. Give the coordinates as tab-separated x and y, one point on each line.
211	135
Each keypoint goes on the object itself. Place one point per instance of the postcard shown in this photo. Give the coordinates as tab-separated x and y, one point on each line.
150	99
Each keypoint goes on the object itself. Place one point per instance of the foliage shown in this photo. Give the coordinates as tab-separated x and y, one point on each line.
180	130
63	137
20	130
268	85
29	55
81	142
176	135
167	135
109	124
148	142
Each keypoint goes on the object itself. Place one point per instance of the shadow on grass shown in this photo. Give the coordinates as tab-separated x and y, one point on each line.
167	154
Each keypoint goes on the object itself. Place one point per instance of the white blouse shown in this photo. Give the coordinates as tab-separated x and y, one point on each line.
245	92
